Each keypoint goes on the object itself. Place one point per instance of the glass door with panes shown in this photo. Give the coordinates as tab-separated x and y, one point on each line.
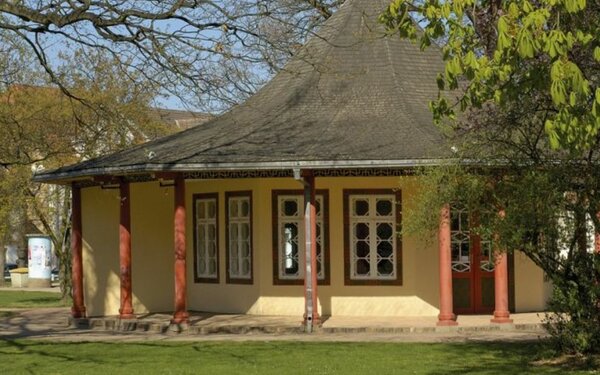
472	267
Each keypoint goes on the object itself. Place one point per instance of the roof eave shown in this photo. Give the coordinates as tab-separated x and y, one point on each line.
66	177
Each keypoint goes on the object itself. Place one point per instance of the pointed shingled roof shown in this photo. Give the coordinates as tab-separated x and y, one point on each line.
351	97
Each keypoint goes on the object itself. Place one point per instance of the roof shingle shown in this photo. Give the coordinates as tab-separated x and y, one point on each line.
351	97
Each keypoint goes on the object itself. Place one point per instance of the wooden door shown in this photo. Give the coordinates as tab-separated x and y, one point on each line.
472	267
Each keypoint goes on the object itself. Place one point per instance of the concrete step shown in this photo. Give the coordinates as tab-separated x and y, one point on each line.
139	325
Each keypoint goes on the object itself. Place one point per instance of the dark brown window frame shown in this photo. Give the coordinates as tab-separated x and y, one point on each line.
197	279
275	236
398	194
236	280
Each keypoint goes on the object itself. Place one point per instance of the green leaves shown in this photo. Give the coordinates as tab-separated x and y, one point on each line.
525	48
527	7
526	45
457	5
530	91
573	6
552	134
554	45
394	7
574	127
453	68
558	92
504	39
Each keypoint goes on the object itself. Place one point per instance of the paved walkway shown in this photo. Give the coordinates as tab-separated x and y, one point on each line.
53	324
54	289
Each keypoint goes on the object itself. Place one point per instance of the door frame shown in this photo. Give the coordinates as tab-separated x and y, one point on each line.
476	275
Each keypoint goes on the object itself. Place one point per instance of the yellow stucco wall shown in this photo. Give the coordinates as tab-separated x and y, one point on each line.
531	291
152	256
417	295
100	227
152	247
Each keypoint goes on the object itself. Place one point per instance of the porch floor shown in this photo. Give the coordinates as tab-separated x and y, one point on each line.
214	323
51	324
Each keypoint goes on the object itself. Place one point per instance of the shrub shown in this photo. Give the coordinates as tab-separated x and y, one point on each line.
573	320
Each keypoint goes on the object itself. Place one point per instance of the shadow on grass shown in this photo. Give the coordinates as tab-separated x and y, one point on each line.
281	357
42	301
25	356
508	358
295	357
33	322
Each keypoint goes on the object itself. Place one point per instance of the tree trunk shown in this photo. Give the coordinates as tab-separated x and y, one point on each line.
65	249
20	237
22	259
581	231
2	262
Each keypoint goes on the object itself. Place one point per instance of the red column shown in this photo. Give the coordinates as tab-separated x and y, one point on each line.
311	274
446	316
501	313
78	309
181	315
126	309
597	237
597	246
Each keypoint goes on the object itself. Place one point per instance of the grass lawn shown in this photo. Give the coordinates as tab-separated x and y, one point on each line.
25	299
24	356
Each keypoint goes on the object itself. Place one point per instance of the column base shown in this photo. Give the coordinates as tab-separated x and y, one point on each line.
446	323
501	320
78	312
126	314
180	317
446	320
178	327
316	321
501	317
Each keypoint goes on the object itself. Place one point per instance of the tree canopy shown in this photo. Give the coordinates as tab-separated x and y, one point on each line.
41	127
211	53
498	52
77	79
520	102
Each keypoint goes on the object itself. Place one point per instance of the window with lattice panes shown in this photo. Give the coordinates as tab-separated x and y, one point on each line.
462	243
461	239
371	234
487	260
206	238
290	237
239	236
